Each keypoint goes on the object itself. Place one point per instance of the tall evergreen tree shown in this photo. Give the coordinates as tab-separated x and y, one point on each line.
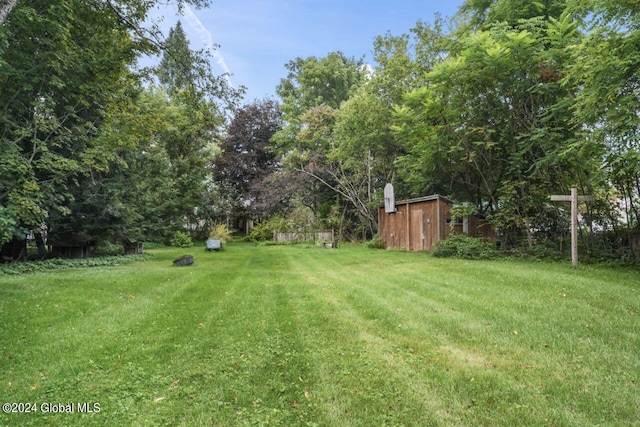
176	71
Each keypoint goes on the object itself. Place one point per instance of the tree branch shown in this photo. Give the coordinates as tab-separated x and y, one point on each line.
150	37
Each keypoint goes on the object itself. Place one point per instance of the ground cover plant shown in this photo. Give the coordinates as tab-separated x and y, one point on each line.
62	263
304	336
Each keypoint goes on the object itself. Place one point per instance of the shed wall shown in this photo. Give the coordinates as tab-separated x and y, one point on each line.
414	226
419	225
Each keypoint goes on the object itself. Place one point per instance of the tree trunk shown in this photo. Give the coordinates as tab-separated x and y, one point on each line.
42	250
5	9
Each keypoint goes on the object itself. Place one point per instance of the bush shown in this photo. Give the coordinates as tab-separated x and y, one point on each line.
220	232
464	246
181	240
16	268
264	230
260	233
542	249
108	249
376	243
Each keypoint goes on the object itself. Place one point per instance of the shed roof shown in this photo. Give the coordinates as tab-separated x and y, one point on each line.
423	199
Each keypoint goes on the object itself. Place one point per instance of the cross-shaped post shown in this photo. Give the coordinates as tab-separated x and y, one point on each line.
574	199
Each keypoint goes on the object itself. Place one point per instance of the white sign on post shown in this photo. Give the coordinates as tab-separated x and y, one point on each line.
389	199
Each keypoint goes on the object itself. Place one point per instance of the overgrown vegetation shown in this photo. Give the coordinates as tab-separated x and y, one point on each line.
107	249
300	219
376	243
63	264
465	247
220	232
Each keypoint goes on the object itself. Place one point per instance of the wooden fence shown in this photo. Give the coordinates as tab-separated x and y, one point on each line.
293	236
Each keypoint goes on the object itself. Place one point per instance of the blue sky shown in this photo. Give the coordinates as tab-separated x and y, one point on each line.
258	37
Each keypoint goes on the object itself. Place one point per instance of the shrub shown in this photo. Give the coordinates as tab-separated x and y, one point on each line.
16	268
264	230
181	240
376	243
542	249
261	232
108	249
464	246
220	232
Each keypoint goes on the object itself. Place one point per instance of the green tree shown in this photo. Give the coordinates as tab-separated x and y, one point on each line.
492	126
346	144
311	95
364	144
196	114
55	85
363	154
67	79
176	71
126	201
481	14
606	67
312	82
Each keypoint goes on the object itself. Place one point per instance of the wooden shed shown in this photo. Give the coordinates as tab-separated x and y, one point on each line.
70	249
417	224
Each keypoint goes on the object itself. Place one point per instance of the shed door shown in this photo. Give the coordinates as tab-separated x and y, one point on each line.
418	238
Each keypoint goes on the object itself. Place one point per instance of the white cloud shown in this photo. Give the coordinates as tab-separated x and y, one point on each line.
196	27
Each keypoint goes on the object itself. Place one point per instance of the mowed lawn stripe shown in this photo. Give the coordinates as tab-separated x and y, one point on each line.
501	334
310	336
118	338
393	339
363	374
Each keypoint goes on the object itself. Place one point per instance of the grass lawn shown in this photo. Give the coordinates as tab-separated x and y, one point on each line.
306	336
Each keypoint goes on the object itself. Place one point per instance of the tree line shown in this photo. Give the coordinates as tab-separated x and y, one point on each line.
507	103
502	105
94	146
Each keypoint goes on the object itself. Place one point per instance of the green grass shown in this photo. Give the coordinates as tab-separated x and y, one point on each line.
305	336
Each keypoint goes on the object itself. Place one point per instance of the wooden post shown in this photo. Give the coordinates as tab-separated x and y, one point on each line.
408	229
574	227
465	221
439	221
574	199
